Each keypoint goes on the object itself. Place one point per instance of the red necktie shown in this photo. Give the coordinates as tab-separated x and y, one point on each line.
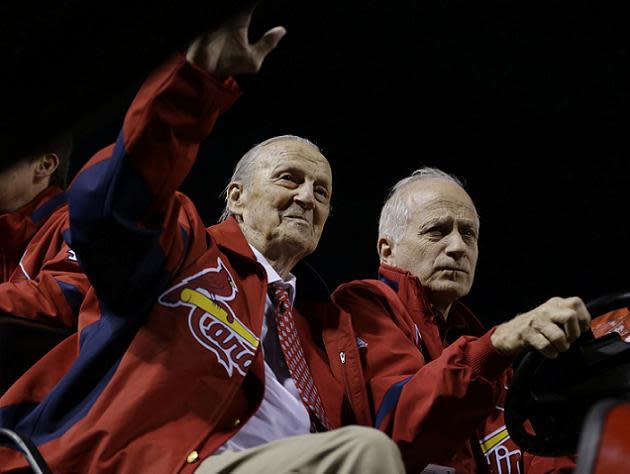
293	353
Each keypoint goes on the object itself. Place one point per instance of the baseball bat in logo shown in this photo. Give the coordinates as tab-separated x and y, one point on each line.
211	319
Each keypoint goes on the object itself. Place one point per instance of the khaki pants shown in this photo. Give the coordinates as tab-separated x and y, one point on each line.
353	449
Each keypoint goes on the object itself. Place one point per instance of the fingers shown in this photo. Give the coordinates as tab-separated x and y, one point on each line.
555	337
243	17
572	329
549	328
560	321
584	316
268	42
543	345
571	314
257	52
227	51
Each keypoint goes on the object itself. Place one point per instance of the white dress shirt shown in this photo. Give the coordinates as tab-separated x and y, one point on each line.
281	413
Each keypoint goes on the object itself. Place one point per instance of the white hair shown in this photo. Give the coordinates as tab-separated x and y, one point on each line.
244	169
395	213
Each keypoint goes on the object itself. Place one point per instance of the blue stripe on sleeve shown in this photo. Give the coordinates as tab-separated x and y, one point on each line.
389	401
103	345
73	296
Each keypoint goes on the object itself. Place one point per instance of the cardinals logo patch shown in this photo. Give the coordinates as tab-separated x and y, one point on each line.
211	320
496	449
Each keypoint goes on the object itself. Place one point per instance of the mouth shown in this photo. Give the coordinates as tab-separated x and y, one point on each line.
297	219
451	269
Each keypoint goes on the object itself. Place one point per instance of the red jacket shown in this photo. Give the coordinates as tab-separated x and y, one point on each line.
41	278
436	388
167	360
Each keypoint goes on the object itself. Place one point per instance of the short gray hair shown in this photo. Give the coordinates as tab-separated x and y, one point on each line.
395	212
244	169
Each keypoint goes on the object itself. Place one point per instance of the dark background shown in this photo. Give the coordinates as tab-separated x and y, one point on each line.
529	104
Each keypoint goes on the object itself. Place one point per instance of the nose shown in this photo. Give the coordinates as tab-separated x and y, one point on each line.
305	195
456	247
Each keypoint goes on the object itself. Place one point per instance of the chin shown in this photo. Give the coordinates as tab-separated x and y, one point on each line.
450	290
297	244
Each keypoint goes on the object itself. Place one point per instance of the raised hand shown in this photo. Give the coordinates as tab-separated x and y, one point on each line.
226	51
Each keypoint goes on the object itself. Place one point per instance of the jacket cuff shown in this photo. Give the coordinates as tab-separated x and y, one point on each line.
485	360
227	90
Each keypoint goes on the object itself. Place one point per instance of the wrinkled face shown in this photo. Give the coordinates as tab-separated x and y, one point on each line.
440	243
286	204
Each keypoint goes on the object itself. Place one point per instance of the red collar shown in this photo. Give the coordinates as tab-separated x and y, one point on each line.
229	236
411	292
18	227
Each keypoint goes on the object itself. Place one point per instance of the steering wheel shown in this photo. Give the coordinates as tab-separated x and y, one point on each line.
554	395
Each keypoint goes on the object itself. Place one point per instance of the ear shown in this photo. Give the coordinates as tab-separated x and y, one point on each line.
235	198
385	248
45	166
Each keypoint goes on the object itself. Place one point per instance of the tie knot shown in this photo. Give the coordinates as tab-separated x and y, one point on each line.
279	295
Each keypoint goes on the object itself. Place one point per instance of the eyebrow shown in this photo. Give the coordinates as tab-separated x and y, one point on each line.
436	220
446	220
284	167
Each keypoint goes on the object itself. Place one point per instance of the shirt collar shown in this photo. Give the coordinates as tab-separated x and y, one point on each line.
272	274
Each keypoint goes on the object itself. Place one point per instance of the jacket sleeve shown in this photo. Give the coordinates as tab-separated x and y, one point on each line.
53	296
428	409
126	223
48	285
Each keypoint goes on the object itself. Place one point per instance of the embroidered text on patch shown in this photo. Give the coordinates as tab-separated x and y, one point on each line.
211	319
494	449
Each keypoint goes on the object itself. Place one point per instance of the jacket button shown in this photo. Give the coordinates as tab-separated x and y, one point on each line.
192	457
237	422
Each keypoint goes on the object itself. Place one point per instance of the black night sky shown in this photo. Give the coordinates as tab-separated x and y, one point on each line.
529	104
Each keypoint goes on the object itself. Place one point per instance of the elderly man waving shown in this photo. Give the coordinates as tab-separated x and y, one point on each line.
191	355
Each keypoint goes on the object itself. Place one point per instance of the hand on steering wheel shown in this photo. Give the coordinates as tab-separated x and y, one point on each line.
554	395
